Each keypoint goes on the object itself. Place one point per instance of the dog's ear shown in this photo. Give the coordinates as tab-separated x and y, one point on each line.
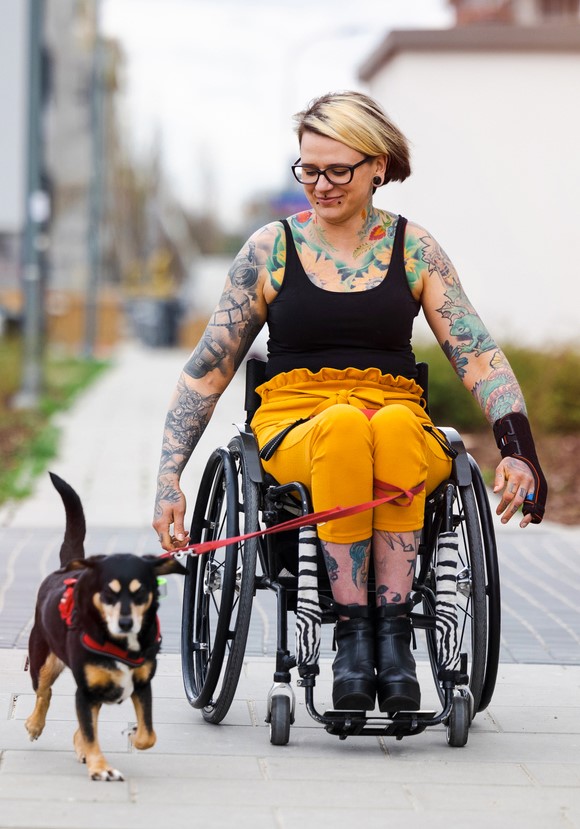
166	564
83	563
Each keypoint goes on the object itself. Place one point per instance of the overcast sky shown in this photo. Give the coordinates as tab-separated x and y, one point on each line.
219	80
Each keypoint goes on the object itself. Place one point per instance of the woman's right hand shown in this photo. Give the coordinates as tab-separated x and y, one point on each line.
170	508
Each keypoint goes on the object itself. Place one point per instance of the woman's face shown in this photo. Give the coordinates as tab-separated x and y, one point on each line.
337	203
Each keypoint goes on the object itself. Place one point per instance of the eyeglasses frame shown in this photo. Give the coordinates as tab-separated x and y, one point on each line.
351	167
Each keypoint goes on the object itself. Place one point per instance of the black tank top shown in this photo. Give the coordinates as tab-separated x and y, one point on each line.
313	328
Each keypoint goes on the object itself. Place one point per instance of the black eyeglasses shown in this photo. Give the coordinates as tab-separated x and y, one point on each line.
335	174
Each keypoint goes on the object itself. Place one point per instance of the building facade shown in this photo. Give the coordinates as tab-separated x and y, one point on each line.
490	112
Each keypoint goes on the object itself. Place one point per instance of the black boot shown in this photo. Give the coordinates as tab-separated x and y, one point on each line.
397	685
354	666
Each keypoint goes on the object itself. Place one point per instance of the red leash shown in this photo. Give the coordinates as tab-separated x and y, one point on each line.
304	520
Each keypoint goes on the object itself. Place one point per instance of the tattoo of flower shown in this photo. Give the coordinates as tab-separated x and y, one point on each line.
456	359
184	426
276	263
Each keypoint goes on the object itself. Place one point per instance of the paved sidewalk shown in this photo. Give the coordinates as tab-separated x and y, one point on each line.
111	441
520	768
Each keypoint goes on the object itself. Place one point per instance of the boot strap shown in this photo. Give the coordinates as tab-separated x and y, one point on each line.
389	611
352	611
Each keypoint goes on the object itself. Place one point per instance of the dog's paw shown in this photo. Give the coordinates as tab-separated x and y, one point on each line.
143	739
34	729
107	775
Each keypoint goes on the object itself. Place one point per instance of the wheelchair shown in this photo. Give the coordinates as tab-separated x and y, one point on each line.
462	637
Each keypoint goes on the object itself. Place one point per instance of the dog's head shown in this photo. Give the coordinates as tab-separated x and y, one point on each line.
122	589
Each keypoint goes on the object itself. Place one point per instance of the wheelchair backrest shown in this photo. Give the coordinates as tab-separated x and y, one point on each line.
256	375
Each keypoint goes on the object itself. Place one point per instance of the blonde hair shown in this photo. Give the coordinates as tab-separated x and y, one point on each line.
358	121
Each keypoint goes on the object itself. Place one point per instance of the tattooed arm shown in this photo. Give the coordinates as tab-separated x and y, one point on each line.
233	326
476	358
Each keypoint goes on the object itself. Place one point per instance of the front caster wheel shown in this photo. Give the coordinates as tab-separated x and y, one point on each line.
459	721
280	720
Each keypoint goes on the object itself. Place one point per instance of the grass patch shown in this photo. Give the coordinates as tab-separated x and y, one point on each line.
28	438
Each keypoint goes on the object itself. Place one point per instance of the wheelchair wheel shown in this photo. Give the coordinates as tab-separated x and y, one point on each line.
280	718
471	592
492	586
459	721
219	585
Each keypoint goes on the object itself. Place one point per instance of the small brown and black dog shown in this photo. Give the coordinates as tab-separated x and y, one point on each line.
97	616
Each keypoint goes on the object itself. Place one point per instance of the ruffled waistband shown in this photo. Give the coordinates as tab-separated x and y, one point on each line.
329	379
300	394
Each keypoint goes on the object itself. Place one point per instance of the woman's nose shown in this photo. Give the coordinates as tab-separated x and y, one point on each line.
323	184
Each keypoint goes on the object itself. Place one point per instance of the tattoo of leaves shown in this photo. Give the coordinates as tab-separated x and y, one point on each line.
360	561
331	564
382	591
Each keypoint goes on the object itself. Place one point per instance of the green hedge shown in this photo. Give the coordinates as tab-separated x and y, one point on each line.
550	381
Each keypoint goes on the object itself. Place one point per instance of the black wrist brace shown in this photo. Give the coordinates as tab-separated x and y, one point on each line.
514	439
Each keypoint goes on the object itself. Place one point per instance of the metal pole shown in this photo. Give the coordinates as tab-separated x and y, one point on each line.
36	213
96	190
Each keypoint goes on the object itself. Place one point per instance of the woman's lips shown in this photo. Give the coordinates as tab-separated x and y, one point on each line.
328	200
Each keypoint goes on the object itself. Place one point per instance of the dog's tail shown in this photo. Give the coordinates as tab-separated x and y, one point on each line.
74	535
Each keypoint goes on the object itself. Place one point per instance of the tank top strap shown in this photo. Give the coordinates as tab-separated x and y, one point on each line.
398	257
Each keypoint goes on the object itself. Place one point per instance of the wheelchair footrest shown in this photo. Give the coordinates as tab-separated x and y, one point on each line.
345	724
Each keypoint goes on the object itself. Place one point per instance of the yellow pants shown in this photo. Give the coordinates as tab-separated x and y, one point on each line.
362	426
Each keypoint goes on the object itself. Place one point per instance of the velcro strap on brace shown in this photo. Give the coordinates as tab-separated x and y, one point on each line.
513	437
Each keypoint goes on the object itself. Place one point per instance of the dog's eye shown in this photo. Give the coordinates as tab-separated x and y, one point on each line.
139	596
109	596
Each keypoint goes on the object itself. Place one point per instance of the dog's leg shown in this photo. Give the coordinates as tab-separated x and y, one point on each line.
144	737
43	679
86	741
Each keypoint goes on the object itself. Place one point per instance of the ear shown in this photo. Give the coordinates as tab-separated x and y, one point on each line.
163	565
381	164
83	563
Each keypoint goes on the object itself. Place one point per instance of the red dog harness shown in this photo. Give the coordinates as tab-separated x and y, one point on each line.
66	609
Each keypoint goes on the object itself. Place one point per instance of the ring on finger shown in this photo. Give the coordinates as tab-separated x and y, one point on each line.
530	496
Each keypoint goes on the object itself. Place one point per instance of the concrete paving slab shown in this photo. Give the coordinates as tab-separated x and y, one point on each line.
43	788
131	815
58	734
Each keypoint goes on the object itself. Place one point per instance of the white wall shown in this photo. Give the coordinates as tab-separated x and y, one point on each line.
496	179
13	51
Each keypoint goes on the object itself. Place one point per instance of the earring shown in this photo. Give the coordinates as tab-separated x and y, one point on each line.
377	181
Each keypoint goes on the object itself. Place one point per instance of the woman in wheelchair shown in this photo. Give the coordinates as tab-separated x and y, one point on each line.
339	286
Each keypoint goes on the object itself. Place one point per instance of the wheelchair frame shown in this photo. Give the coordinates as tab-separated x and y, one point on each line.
219	589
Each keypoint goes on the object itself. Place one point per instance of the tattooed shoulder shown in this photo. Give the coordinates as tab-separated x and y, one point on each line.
274	242
244	271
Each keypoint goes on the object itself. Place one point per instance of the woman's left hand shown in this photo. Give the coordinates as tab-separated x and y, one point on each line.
513	481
